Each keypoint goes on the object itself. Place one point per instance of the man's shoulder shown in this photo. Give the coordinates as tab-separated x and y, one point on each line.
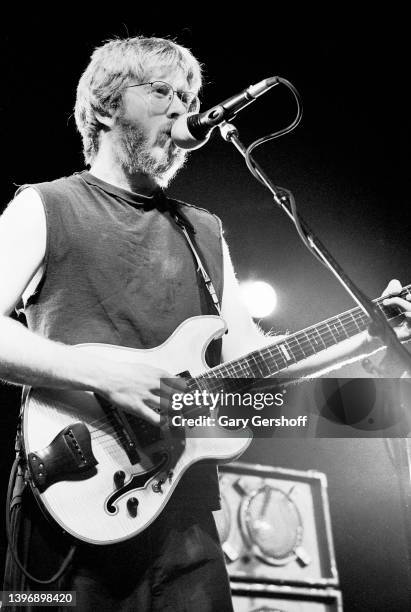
54	185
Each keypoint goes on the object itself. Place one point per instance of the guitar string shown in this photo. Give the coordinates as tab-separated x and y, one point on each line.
296	341
294	344
109	441
152	447
299	349
238	369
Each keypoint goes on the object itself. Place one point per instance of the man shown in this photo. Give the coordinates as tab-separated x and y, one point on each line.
97	257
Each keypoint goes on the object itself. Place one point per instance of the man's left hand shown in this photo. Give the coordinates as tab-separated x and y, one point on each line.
394	287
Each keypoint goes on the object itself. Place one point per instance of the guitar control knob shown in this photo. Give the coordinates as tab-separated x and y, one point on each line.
132	505
119	478
158	486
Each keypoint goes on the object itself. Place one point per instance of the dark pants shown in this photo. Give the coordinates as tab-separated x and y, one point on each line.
175	565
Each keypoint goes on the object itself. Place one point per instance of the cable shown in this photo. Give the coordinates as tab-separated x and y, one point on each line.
12	544
285	194
274	135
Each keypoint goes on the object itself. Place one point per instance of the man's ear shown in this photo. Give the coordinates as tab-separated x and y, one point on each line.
108	118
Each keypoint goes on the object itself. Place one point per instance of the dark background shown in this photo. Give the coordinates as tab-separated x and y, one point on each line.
347	165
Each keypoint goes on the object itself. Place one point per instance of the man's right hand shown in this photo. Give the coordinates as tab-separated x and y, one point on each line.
140	389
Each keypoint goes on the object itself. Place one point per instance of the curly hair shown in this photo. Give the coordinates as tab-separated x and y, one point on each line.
112	66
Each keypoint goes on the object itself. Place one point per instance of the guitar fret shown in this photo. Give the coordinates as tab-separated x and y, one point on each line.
334	330
299	349
356	323
256	364
225	370
261	367
266	361
332	333
309	349
320	337
340	330
283	349
272	360
278	356
313	340
199	380
247	369
351	325
290	350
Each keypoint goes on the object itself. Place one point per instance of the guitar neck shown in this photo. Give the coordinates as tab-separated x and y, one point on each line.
295	347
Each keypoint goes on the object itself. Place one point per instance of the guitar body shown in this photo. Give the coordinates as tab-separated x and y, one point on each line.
104	476
90	505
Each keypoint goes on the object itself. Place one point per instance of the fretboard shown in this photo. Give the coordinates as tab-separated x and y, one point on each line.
296	347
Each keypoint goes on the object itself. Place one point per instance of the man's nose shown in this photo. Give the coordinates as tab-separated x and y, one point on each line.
176	107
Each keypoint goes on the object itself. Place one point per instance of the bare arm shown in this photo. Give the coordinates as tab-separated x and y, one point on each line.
244	336
27	358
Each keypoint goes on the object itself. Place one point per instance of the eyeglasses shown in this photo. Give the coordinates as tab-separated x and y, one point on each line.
163	94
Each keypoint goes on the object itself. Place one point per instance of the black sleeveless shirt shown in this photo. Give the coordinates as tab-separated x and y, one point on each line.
119	271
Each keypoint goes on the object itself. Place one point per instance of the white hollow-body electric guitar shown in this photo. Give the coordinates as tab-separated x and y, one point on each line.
104	475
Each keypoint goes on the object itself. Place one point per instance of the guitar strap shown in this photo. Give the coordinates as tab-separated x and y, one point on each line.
187	227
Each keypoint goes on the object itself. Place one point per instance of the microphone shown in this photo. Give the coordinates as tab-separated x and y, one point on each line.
193	131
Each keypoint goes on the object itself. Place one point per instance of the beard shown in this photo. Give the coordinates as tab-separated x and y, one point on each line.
135	153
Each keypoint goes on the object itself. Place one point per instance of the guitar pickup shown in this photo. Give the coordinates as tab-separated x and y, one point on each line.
124	431
68	457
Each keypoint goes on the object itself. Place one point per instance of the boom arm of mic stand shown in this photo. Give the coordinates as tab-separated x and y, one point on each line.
380	326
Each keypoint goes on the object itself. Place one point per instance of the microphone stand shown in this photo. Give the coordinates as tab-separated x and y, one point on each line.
379	325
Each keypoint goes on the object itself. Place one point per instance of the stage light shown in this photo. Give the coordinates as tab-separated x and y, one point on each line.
259	297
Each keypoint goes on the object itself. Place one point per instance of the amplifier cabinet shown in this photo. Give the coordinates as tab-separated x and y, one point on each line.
275	526
268	598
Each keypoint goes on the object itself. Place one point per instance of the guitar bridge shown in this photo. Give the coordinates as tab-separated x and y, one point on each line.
68	457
